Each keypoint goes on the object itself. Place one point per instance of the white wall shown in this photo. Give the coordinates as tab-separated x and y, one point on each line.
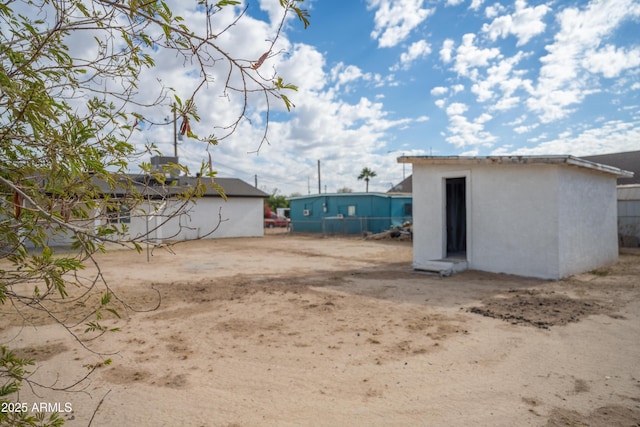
588	221
237	217
514	220
429	197
533	220
240	217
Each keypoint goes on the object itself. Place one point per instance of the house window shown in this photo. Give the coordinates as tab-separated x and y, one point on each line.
120	214
408	209
351	210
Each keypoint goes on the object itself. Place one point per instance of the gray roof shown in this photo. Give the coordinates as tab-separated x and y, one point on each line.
233	187
405	186
629	160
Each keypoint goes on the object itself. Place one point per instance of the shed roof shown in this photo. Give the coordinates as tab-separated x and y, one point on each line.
516	160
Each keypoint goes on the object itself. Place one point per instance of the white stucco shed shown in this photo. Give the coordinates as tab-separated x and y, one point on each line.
538	216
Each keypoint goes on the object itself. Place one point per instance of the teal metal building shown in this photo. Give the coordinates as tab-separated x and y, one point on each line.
349	213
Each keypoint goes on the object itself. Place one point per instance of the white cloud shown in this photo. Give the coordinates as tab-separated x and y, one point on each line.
506	103
483	118
475	4
342	75
524	23
469	56
503	77
454	2
493	11
467	133
417	50
395	19
304	66
563	80
517	121
274	10
446	53
611	61
525	129
439	91
456	109
612	136
441	103
340	134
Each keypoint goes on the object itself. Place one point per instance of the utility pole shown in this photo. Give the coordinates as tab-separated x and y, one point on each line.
175	131
319	186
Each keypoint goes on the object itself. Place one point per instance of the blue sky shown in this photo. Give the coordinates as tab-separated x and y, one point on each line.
382	78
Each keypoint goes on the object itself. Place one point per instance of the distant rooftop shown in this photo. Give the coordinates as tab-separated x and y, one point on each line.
629	161
233	187
346	195
405	186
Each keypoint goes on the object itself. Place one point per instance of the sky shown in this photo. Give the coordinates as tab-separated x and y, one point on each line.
378	79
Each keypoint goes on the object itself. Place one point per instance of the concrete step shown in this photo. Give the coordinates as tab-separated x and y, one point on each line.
444	267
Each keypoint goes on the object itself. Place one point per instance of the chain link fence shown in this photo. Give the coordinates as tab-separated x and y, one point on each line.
629	231
629	221
342	226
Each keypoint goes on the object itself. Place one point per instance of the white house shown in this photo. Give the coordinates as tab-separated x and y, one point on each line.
547	217
209	216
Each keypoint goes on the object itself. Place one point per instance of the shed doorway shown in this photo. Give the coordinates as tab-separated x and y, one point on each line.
456	218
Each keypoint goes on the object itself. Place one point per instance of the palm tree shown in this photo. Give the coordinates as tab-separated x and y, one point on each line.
367	174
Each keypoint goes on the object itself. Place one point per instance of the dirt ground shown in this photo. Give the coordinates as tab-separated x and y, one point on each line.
297	330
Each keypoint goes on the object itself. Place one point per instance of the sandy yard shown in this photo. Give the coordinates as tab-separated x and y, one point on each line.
297	330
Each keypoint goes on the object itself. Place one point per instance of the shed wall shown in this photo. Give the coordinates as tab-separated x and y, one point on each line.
428	213
511	217
588	220
514	217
